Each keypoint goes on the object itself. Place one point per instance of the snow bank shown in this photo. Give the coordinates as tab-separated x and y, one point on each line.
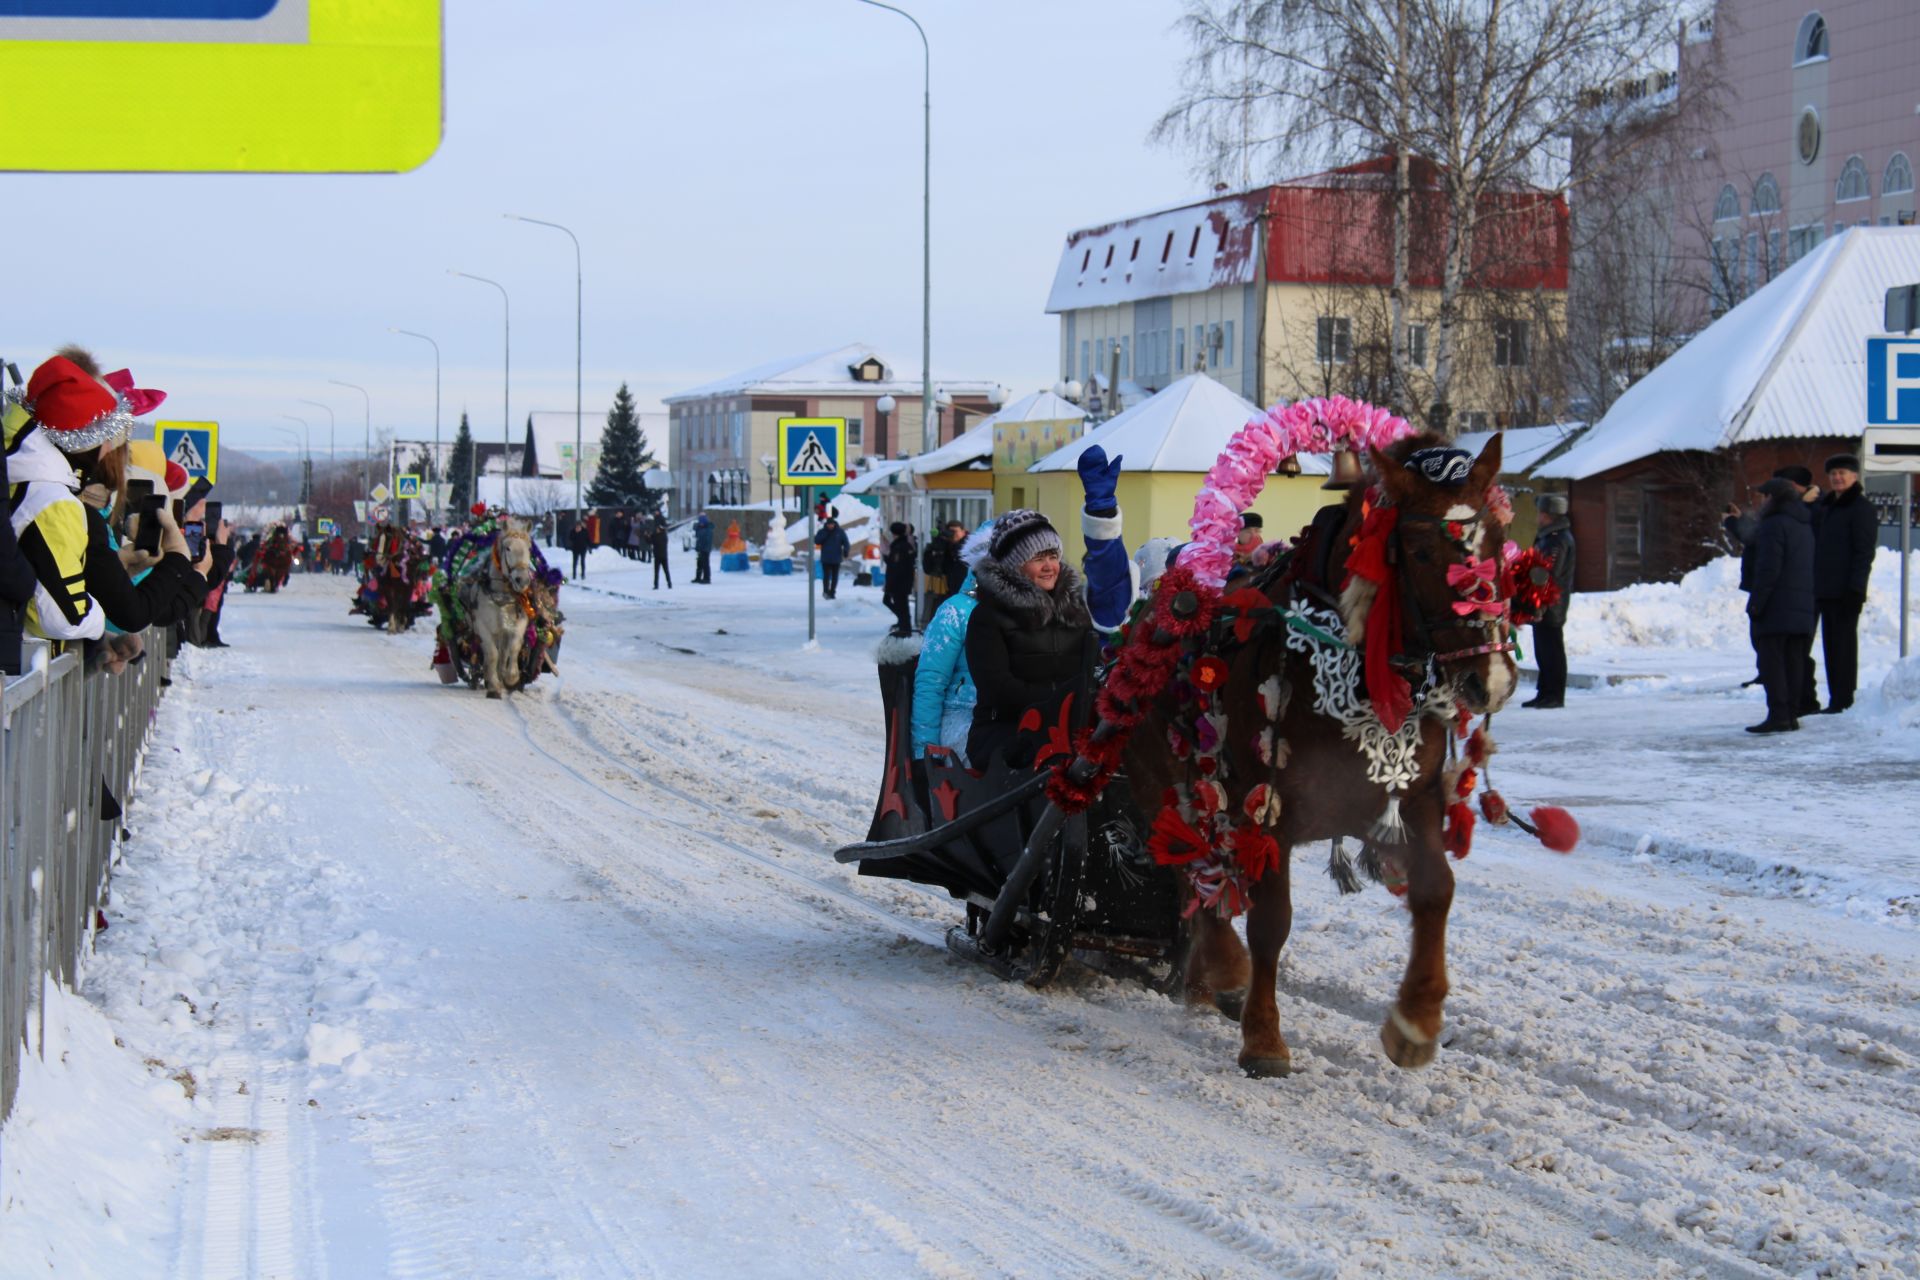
90	1157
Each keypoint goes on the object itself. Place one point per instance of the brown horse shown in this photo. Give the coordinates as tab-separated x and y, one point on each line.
1336	771
393	556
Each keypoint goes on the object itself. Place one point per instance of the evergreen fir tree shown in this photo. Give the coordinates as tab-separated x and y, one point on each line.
460	469
623	456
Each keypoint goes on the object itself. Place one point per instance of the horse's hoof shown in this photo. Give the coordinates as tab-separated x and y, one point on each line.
1406	1047
1266	1066
492	693
1231	1003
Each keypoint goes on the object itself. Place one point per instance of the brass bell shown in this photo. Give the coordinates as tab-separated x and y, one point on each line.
1289	465
1347	472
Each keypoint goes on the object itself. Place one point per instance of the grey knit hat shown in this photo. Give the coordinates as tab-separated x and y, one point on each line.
1019	536
1551	504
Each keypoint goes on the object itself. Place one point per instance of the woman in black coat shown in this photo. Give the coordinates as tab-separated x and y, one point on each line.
1026	638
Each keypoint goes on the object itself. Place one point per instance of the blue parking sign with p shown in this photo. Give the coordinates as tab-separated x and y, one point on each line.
1893	382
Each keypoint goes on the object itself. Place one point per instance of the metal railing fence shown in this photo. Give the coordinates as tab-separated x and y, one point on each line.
68	738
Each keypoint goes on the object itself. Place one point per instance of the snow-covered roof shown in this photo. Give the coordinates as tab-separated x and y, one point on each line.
1183	428
827	373
1522	446
1189	249
873	473
1041	406
975	444
1788	362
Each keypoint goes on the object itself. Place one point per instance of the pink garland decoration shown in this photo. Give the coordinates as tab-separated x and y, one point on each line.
1319	425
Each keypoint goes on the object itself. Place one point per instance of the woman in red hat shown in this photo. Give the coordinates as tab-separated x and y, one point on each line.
66	439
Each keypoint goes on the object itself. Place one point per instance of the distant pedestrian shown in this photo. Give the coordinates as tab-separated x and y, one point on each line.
579	540
1780	602
1740	527
437	545
941	563
703	549
636	548
657	544
337	553
1554	538
898	594
833	545
1846	533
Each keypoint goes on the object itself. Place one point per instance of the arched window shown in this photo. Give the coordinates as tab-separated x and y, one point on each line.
1766	195
1853	181
1899	177
1727	207
1811	44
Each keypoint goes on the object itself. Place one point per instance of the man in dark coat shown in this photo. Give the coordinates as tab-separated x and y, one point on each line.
657	546
898	594
1553	538
1740	527
1846	532
579	542
833	544
703	549
1780	602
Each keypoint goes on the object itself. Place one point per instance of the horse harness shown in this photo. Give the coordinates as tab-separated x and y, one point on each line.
522	598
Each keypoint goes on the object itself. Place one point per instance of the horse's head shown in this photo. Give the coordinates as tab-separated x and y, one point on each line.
515	550
1447	552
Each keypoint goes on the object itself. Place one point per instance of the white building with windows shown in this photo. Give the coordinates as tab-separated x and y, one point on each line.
720	432
1281	292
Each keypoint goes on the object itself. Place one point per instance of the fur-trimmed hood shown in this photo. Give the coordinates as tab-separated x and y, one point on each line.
1009	591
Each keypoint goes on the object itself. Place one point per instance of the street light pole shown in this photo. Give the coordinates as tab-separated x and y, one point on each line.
579	430
330	425
506	390
433	471
307	479
929	425
366	459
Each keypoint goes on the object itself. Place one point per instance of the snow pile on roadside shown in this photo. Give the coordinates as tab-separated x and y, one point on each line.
1899	695
1706	610
90	1156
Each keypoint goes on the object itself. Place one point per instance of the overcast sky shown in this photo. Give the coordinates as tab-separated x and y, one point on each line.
744	177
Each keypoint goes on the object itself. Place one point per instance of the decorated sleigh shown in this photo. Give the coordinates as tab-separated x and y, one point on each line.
1038	883
1327	695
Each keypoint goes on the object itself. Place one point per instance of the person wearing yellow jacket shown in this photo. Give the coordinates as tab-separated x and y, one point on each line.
65	441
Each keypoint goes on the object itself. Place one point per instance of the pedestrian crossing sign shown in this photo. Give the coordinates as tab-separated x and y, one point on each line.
407	486
326	526
813	451
194	445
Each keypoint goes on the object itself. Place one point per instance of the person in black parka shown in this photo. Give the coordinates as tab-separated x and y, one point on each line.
1026	637
833	544
1780	602
1846	533
1555	539
897	595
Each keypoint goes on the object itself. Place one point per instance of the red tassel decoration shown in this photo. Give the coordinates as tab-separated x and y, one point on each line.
1459	840
1556	828
1493	806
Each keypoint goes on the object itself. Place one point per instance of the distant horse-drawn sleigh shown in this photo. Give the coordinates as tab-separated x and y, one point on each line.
499	601
1327	695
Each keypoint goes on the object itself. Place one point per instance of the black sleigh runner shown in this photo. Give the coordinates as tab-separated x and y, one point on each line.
1329	694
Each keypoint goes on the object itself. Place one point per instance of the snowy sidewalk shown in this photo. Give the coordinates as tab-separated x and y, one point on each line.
569	986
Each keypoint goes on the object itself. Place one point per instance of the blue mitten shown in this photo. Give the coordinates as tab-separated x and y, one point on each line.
1101	480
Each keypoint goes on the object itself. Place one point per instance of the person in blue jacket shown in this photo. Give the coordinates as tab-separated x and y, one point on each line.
943	692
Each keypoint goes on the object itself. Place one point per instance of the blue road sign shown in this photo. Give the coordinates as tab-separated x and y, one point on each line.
194	445
1893	382
813	451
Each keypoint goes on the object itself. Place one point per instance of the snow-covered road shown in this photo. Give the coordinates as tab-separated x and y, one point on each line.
569	986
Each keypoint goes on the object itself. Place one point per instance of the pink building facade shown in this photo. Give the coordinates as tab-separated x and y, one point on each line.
1816	128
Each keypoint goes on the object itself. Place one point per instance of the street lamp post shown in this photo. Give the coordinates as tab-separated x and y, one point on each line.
433	470
307	479
366	460
506	390
330	425
579	430
766	460
929	425
885	404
